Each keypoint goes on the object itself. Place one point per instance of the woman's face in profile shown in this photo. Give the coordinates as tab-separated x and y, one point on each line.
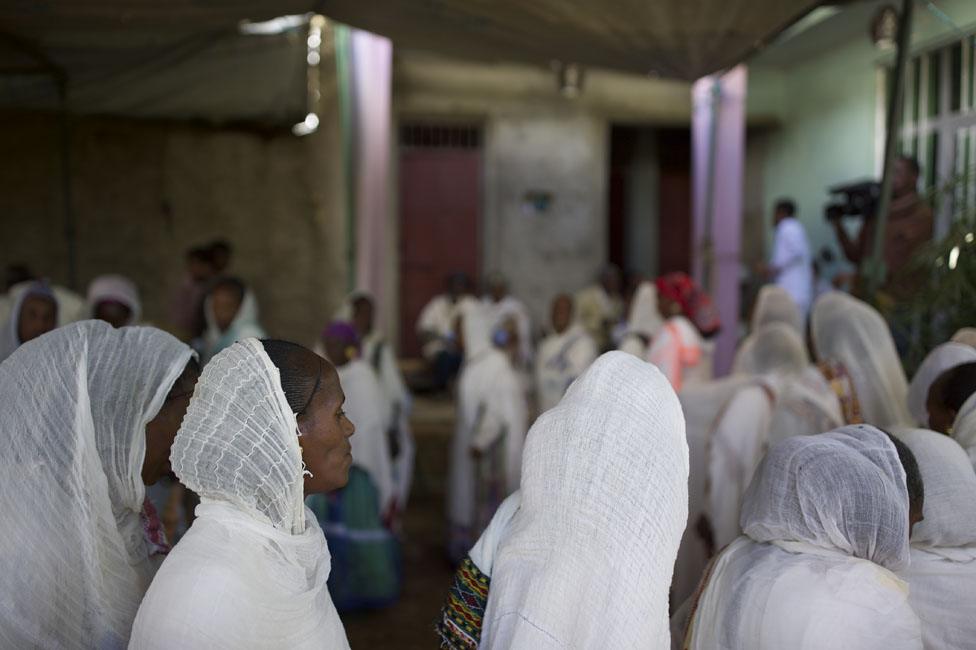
325	432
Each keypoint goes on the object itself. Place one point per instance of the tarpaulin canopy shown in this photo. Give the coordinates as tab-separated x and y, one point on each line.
182	59
186	58
683	39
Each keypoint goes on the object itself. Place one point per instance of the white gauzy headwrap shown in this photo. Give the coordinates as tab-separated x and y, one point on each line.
10	330
950	491
826	523
252	570
966	336
843	490
942	574
117	288
588	558
942	358
775	305
852	332
964	427
73	560
245	325
645	316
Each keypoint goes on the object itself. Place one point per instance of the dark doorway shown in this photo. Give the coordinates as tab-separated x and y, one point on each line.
440	215
649	199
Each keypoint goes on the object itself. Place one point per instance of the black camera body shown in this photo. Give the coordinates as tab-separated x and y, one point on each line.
858	199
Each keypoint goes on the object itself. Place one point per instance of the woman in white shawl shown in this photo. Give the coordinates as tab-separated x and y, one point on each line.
115	300
742	429
852	333
942	574
231	313
773	305
643	322
378	353
486	451
586	561
34	312
941	359
951	406
563	355
826	521
89	416
265	427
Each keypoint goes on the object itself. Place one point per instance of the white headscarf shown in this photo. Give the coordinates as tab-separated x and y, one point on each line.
825	521
73	561
10	332
117	288
589	555
245	325
252	570
942	574
950	491
964	427
853	333
645	316
966	336
775	305
942	358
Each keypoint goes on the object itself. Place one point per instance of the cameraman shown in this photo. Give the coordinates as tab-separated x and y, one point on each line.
910	224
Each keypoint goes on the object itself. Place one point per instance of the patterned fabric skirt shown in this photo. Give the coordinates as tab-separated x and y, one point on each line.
459	625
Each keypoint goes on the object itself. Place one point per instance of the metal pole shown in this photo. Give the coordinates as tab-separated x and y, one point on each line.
875	270
707	243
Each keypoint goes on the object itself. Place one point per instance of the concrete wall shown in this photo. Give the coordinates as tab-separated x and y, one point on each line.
562	248
143	192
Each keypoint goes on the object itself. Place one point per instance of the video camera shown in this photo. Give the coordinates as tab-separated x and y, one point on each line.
860	199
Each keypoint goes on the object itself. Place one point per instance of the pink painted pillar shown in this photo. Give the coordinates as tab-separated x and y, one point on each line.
718	164
371	82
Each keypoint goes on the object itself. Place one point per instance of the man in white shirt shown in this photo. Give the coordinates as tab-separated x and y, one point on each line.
791	266
505	310
436	330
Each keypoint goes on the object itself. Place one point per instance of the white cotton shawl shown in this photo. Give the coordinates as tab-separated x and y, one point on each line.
73	561
589	555
964	427
484	551
942	574
117	288
251	572
853	333
966	336
488	390
826	523
368	409
741	434
773	305
944	357
701	405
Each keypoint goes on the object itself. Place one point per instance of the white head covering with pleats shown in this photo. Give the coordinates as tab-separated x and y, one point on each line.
588	557
825	524
853	333
942	358
251	572
73	561
942	574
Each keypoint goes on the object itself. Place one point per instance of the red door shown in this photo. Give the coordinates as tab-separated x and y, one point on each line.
440	206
